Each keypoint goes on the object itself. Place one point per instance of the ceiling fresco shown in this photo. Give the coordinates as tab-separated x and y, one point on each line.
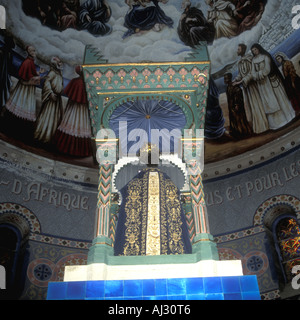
253	46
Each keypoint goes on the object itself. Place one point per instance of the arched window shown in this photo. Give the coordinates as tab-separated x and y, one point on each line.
16	225
12	258
286	233
281	224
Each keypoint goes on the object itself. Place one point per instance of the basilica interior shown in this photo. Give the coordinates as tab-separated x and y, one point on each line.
136	130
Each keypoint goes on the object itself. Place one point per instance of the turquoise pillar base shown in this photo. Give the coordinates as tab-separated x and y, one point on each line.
100	251
204	247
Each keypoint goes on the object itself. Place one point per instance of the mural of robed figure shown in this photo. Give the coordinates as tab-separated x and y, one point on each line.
51	110
194	27
145	15
21	106
74	132
93	17
270	85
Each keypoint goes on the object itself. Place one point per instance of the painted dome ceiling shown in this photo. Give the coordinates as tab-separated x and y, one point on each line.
138	31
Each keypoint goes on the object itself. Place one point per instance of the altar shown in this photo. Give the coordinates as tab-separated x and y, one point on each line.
152	237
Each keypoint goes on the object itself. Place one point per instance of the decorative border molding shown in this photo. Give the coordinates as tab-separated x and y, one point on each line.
30	163
282	199
19	215
258	156
85	177
239	234
76	244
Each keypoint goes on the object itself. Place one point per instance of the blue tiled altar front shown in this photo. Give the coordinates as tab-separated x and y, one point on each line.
210	288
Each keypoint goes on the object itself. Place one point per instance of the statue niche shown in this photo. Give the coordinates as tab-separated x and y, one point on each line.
151	219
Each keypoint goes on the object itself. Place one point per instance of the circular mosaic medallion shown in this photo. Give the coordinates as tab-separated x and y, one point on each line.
255	262
40	272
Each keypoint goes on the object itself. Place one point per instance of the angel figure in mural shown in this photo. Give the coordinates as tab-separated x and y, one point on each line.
271	88
193	26
291	80
21	105
221	13
94	15
145	15
239	126
73	136
251	93
51	110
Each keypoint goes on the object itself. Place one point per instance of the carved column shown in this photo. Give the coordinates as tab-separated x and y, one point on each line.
102	244
203	243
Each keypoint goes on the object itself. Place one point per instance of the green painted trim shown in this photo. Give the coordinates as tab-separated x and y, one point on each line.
105	257
100	251
204	247
202	250
108	84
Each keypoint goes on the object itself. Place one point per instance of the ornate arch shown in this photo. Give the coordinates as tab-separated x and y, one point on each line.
181	102
109	85
20	217
279	204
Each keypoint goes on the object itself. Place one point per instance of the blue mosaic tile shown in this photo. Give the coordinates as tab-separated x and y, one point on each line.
177	297
114	298
251	296
76	290
214	296
231	284
133	288
212	285
161	287
211	288
249	283
95	289
194	285
149	287
164	297
149	297
176	287
200	296
232	296
57	291
114	288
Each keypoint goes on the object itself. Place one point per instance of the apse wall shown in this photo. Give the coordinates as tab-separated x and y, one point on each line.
58	202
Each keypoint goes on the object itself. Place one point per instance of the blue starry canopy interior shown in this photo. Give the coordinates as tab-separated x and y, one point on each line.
140	117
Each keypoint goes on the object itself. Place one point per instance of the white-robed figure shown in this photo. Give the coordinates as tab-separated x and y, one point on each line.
221	14
51	110
259	121
272	92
